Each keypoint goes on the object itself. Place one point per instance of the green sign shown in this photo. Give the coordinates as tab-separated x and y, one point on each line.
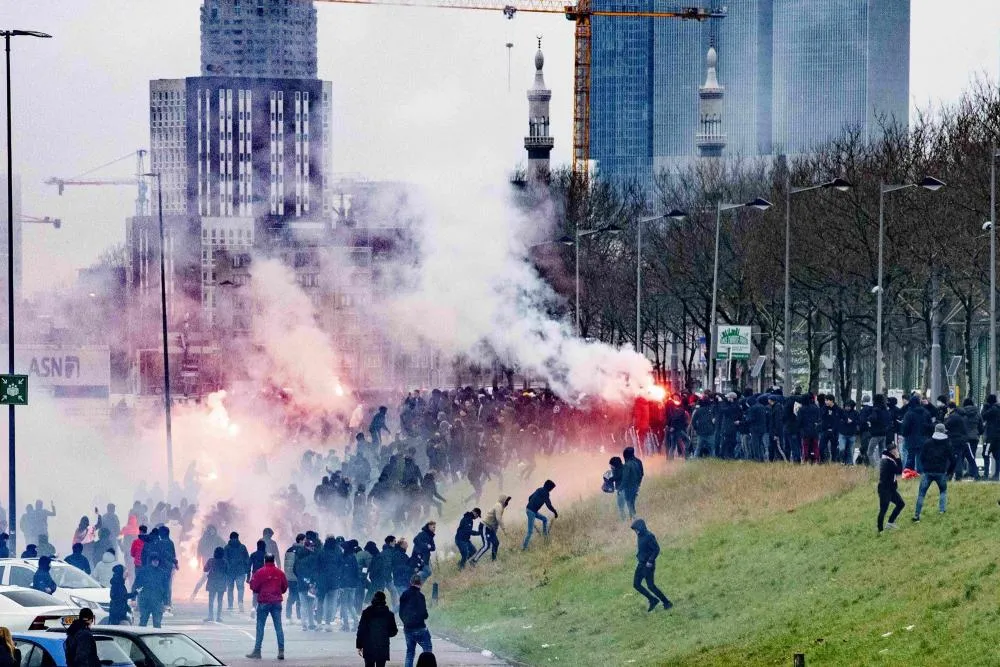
733	343
13	389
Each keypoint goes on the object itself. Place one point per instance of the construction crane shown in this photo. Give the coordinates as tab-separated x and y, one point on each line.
142	198
581	14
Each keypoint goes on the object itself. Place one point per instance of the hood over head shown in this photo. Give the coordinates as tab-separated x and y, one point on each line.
639	526
629	453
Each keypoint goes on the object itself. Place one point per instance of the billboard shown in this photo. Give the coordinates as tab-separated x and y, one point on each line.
732	342
64	371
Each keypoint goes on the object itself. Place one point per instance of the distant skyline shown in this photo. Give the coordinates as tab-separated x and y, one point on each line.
414	90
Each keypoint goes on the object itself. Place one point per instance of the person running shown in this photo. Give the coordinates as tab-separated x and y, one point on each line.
491	524
888	491
413	613
535	501
376	627
645	570
269	585
935	455
463	536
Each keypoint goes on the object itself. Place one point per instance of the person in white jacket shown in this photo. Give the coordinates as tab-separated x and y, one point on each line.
492	523
103	571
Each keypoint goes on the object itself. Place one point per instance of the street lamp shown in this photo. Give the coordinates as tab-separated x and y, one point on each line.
838	184
163	322
582	234
759	204
675	214
993	269
927	183
11	474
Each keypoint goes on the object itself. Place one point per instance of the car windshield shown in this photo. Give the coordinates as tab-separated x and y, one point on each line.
67	576
108	650
29	598
178	649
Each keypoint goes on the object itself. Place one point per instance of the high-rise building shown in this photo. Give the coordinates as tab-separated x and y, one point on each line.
795	73
838	64
539	141
258	38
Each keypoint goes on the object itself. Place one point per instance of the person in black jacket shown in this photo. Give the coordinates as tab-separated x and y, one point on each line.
991	433
645	570
759	426
535	501
463	536
237	568
77	559
616	483
423	545
632	475
848	425
830	420
727	421
376	626
879	424
81	649
703	424
888	491
809	421
118	612
413	613
790	427
152	588
43	581
935	456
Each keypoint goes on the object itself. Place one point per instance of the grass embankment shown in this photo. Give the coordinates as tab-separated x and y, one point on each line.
761	562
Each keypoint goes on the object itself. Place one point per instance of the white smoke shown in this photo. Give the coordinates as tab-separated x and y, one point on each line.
473	292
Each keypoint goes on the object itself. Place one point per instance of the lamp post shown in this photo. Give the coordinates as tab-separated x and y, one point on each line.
837	184
673	215
760	205
928	183
163	322
993	269
582	234
11	449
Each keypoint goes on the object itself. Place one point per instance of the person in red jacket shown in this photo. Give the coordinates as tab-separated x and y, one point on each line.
135	551
269	585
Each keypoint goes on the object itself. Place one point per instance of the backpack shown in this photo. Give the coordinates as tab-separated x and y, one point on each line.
608	485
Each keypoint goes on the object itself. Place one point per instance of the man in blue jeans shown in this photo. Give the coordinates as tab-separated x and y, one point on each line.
413	613
269	584
935	456
535	501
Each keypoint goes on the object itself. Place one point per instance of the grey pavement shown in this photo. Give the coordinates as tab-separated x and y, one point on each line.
232	639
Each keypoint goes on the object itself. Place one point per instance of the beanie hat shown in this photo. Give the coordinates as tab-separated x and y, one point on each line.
939	428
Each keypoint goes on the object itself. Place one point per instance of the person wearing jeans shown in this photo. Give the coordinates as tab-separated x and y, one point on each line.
535	501
413	613
269	585
935	456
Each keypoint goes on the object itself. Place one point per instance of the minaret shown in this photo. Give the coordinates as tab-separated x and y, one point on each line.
711	140
539	142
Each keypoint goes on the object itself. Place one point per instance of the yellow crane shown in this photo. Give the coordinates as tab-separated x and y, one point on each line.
581	14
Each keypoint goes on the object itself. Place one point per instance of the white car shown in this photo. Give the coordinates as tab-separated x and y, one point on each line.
75	587
23	609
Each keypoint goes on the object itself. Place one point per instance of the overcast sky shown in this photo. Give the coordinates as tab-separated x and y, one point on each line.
412	87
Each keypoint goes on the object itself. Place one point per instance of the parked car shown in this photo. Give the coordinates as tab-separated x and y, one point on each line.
23	609
74	587
150	647
48	649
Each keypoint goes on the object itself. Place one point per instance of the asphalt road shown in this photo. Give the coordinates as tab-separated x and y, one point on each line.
232	639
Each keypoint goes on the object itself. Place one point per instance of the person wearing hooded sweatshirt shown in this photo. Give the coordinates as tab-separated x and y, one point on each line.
118	612
217	579
973	429
77	559
30	551
423	545
152	588
4	545
463	536
349	578
237	568
879	424
935	457
207	544
376	626
256	562
364	558
81	648
42	580
726	424
539	497
491	524
991	433
888	490
759	427
915	424
632	474
104	570
380	571
810	421
703	425
645	570
617	467
327	582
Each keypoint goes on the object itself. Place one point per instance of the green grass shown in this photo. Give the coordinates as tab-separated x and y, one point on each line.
761	562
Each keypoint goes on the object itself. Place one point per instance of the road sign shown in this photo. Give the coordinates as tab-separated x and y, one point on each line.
13	389
733	342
